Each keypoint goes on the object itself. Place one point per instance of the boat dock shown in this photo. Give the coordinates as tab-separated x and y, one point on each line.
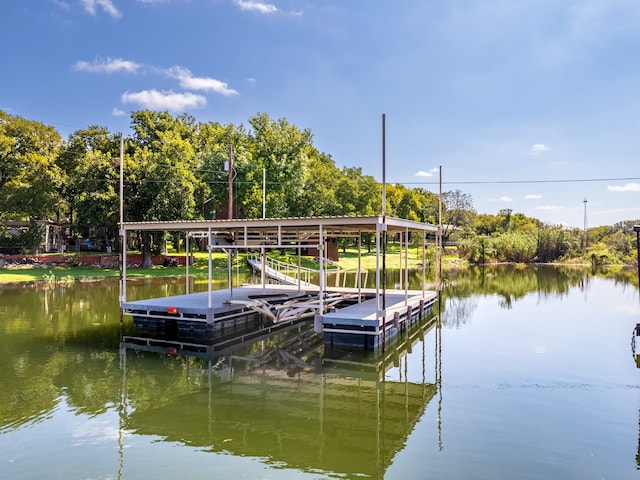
347	317
354	316
360	324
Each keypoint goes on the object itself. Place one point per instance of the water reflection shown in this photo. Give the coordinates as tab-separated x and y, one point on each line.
284	398
291	406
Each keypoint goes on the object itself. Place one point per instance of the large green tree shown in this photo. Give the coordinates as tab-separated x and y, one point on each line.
29	177
161	174
89	172
283	151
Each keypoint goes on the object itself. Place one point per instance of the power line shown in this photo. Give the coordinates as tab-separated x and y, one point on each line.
452	182
499	182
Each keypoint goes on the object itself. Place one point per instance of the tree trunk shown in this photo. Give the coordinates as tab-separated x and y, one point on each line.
147	262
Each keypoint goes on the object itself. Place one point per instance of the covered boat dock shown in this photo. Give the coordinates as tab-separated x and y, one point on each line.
355	315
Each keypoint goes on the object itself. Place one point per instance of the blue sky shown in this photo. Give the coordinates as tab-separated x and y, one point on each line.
532	105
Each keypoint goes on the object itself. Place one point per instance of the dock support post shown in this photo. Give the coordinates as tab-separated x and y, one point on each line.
424	266
317	323
186	260
299	263
400	262
263	256
359	275
406	266
209	280
123	267
321	268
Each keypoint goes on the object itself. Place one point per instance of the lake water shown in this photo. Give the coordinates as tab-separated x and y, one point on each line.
518	373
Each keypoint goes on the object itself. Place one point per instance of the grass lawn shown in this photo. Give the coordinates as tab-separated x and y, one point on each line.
51	274
348	261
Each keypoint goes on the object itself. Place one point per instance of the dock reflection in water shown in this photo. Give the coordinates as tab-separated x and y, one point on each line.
285	397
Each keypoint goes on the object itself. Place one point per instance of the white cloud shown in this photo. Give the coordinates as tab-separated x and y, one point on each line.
422	173
537	148
116	112
155	100
504	198
106	5
107	65
188	81
629	187
532	196
253	6
62	4
548	207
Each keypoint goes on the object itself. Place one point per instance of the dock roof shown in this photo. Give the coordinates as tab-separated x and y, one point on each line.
331	225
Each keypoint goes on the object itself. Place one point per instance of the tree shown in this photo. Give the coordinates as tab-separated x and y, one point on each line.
320	195
283	151
430	205
551	243
358	194
212	155
83	150
515	247
161	178
458	211
97	204
28	175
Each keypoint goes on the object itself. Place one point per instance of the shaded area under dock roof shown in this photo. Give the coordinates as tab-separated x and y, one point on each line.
331	226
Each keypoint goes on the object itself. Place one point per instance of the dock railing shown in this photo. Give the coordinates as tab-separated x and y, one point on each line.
294	274
282	271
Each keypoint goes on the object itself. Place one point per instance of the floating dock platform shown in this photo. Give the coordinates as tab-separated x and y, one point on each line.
347	316
208	311
361	324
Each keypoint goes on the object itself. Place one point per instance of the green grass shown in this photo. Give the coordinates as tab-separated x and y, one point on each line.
348	261
51	274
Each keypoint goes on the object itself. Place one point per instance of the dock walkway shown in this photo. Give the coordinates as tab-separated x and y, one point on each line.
280	272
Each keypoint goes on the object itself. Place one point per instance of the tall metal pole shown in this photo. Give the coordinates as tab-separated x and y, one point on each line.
229	251
384	233
439	237
123	235
384	171
264	215
230	181
121	180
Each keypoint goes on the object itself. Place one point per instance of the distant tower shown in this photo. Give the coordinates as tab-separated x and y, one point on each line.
585	214
586	234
